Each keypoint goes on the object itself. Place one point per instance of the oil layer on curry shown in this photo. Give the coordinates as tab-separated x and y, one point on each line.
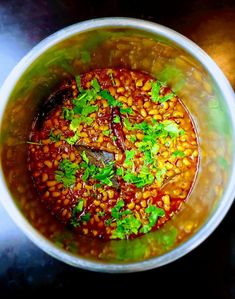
113	153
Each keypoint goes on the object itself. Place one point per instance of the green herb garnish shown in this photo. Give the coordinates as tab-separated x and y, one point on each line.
72	140
155	91
105	94
178	154
117	119
54	137
126	223
126	110
107	132
66	173
129	157
68	113
86	217
154	213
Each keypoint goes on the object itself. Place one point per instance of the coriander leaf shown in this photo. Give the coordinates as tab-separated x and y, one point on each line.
95	84
133	138
105	174
171	128
155	91
73	139
77	121
154	150
120	171
78	208
129	157
117	119
54	137
107	132
101	213
160	173
84	157
127	124
115	211
74	124
66	173
78	81
155	213
126	110
86	175
86	217
68	114
166	97
89	109
108	221
126	226
178	154
105	94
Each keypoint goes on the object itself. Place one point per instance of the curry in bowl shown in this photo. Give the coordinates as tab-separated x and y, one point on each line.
113	153
102	130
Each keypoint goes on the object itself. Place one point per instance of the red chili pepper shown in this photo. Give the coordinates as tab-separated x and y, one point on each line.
117	128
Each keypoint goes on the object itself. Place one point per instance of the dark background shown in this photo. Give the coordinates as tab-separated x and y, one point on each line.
209	270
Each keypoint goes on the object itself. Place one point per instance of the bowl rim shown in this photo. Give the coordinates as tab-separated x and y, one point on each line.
219	212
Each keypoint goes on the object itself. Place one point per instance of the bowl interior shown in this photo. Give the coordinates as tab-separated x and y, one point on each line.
139	50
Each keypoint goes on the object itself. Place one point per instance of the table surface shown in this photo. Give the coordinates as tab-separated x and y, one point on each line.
209	270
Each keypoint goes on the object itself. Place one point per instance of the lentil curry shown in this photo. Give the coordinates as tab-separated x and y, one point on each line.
113	153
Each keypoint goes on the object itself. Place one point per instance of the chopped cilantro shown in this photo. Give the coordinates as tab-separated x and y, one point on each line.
155	91
72	140
95	84
126	110
133	138
160	173
75	221
105	94
78	81
89	109
107	132
129	157
166	97
101	213
66	173
126	226
142	179
171	128
84	157
108	221
77	121
68	114
178	154
78	208
115	211
127	124
155	213
117	119
105	174
86	217
120	171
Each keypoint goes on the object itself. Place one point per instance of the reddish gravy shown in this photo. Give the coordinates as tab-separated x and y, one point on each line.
113	154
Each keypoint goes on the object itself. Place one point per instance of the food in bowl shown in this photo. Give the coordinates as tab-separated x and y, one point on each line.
113	153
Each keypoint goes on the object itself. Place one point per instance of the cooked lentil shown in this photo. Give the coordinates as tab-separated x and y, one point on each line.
148	132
